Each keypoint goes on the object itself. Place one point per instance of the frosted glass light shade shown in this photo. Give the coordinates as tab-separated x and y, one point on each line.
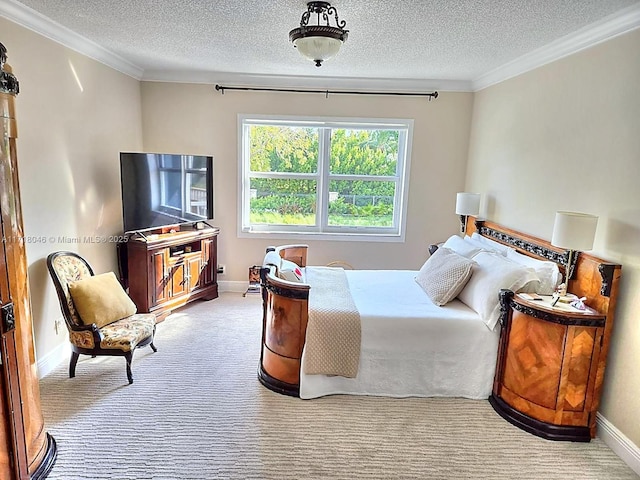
318	49
574	231
467	203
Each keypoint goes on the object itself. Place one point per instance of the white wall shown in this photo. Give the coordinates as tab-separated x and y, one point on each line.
74	117
187	118
566	136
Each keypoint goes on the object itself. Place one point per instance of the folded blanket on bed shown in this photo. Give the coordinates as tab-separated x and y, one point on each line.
332	345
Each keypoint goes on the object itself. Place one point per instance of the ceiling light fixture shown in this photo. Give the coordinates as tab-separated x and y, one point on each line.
322	41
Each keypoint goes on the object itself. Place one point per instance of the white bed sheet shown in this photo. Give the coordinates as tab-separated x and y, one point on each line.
411	347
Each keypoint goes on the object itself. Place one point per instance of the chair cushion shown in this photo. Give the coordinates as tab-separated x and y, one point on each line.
124	334
127	333
101	299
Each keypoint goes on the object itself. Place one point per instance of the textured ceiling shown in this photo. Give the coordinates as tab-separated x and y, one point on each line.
397	39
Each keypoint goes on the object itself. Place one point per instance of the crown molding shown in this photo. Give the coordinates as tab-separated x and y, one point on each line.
292	81
609	27
32	20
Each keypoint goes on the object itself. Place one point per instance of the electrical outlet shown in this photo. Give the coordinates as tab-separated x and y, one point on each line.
221	269
56	325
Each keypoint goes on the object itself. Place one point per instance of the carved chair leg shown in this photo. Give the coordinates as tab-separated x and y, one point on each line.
72	364
129	356
153	347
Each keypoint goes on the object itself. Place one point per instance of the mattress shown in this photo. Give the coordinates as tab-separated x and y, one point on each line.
411	347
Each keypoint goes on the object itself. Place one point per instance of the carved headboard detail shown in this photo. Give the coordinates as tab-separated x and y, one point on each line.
586	266
561	258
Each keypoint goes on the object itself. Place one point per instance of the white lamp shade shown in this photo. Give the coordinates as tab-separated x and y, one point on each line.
467	203
318	48
574	231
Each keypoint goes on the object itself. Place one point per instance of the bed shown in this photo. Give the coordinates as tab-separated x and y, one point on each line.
447	351
409	346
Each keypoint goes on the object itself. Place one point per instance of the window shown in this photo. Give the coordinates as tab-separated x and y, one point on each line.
342	177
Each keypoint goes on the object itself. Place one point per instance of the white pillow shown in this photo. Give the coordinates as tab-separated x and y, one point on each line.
489	244
443	275
289	271
272	258
458	245
548	272
491	273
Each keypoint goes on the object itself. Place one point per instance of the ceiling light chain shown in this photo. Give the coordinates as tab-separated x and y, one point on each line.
323	8
319	42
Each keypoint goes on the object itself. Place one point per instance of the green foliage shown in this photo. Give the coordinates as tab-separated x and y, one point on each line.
271	218
339	220
284	204
282	149
364	152
340	207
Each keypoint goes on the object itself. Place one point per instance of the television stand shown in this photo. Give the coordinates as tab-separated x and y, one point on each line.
168	267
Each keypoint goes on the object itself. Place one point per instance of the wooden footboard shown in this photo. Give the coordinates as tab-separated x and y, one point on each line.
284	324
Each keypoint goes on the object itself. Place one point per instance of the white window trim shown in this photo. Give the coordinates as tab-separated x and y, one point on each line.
372	235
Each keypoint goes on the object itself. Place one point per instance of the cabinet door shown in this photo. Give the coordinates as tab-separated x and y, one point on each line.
159	276
178	278
193	273
534	357
209	256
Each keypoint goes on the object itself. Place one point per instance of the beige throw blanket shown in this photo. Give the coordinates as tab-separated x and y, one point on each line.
332	345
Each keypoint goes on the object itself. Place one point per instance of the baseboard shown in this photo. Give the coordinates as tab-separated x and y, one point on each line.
54	358
232	286
619	443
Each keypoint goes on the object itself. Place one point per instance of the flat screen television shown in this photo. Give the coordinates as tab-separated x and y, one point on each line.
161	189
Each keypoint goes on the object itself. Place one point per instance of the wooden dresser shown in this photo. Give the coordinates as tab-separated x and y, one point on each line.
168	267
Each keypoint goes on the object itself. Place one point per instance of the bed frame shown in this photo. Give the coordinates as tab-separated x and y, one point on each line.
285	316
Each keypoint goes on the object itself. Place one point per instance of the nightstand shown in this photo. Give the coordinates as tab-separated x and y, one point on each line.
550	361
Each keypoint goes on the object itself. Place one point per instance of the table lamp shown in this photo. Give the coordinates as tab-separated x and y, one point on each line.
575	232
467	204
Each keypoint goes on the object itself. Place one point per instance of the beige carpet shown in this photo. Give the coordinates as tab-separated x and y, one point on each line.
197	411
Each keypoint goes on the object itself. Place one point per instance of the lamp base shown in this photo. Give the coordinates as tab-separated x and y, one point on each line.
463	223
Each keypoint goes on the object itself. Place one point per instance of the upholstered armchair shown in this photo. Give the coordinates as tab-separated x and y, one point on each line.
100	317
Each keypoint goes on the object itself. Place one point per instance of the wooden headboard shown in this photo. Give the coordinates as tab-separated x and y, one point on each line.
591	277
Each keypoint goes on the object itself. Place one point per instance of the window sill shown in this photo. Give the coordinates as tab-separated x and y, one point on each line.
338	237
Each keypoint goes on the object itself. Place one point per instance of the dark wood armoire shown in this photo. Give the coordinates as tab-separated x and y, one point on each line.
27	451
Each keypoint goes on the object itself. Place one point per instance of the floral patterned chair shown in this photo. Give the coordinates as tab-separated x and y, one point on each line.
120	337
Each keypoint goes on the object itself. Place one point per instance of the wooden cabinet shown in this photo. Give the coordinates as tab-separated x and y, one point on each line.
27	451
550	366
169	267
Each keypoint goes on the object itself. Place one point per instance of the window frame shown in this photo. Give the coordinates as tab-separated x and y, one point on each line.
321	229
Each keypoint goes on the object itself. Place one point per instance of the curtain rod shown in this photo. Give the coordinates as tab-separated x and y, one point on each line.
431	95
